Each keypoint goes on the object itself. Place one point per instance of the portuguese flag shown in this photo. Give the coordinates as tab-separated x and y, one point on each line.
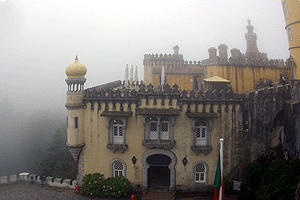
219	181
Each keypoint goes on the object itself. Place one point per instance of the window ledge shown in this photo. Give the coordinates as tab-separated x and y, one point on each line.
201	149
119	147
163	144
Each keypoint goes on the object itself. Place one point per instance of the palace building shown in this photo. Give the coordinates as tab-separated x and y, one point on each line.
164	132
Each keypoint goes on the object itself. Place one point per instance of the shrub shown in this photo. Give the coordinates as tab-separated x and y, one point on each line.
280	180
96	184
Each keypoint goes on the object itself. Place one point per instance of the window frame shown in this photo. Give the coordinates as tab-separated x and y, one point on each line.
170	122
112	144
205	147
113	170
285	10
165	139
290	33
205	173
76	122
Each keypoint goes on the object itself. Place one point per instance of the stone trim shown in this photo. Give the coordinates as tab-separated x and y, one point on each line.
116	113
161	112
110	143
199	184
202	115
171	167
111	167
202	148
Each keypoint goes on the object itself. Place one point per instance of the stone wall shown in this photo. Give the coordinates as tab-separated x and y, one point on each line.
34	178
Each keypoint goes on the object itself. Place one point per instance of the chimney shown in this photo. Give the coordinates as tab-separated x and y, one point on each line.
223	52
212	53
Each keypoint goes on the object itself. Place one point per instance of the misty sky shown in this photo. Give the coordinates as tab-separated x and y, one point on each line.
40	38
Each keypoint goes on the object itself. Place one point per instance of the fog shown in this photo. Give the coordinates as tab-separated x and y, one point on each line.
40	38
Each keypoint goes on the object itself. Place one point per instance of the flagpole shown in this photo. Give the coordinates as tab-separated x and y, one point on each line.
221	166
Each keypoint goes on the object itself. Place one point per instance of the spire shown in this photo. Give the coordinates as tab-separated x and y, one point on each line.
136	75
162	76
252	50
76	58
126	76
131	75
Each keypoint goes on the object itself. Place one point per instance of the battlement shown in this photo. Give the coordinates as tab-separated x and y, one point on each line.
243	61
160	92
281	89
163	56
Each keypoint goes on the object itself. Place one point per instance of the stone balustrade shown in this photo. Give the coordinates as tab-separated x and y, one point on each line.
34	178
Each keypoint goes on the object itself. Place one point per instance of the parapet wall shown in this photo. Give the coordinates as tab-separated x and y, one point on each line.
244	61
34	178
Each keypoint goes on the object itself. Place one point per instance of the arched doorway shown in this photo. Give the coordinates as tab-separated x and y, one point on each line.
158	172
159	169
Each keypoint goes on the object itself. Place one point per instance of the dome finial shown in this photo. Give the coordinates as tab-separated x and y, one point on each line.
76	57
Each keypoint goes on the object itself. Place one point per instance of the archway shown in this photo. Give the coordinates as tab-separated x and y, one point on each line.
158	172
159	169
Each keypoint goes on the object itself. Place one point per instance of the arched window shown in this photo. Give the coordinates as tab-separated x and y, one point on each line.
118	168
118	132
200	173
200	133
202	136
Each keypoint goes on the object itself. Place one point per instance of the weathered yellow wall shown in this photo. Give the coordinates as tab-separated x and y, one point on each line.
245	78
182	80
293	21
97	157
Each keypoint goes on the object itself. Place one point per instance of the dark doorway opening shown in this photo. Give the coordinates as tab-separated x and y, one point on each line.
158	172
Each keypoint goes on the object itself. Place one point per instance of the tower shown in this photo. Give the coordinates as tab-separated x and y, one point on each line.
75	81
252	50
291	10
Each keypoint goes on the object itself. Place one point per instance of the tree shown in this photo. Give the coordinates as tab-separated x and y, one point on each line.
57	161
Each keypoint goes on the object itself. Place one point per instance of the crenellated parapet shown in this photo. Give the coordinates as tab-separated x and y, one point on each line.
244	61
259	110
101	95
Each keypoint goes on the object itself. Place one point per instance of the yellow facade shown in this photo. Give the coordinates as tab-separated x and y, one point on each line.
185	80
291	9
245	78
97	158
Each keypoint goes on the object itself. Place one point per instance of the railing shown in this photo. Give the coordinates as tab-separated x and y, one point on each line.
34	178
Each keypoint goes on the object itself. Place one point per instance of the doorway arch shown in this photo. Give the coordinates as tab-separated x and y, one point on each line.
170	162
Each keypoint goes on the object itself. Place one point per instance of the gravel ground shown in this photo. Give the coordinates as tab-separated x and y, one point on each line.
26	190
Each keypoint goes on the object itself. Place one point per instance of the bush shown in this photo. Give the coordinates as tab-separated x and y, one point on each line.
96	184
280	180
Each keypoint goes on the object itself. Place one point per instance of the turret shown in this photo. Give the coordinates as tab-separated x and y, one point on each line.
252	50
75	81
223	52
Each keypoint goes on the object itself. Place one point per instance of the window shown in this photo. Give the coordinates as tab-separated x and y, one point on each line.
290	33
200	173
118	132
76	122
153	128
285	10
164	134
201	133
118	168
158	128
116	127
158	132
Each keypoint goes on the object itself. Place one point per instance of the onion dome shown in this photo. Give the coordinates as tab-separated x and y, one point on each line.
76	70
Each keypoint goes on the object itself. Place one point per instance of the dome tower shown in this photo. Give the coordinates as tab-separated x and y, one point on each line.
75	81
